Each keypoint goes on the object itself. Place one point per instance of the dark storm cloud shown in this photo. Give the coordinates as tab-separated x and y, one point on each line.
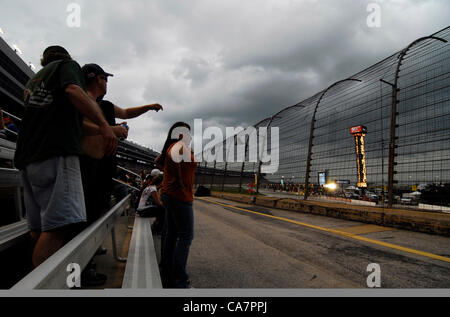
229	62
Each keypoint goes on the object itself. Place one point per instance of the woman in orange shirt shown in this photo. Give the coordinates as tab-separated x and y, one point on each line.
179	165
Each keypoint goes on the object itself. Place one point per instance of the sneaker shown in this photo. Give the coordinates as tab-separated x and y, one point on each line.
157	229
101	251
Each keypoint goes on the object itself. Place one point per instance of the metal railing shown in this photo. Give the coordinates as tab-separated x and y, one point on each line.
11	177
53	273
142	270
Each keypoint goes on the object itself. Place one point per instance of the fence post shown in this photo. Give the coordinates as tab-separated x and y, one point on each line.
311	134
224	175
203	175
258	177
242	168
393	118
226	161
213	174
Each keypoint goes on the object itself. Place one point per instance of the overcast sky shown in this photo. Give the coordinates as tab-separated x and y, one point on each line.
228	62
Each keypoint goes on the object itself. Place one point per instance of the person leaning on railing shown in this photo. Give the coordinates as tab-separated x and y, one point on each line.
48	150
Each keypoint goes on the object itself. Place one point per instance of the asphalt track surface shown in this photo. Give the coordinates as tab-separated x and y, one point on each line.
243	246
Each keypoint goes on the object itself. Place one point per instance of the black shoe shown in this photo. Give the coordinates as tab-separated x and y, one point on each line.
157	231
157	228
90	277
101	251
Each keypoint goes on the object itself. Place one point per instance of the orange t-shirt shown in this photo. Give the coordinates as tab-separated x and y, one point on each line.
171	182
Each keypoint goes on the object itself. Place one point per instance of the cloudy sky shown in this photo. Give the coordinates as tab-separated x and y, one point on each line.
228	62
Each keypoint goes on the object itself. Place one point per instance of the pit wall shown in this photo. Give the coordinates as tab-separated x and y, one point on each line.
427	222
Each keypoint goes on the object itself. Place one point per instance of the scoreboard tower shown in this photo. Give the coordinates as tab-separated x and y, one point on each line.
359	133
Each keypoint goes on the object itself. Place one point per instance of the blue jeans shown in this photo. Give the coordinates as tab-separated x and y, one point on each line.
177	237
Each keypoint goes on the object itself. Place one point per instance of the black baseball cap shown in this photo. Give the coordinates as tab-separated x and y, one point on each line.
92	70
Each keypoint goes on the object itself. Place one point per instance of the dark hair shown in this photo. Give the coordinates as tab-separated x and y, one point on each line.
170	141
157	180
53	56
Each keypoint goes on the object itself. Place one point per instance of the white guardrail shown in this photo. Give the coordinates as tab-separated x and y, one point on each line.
53	273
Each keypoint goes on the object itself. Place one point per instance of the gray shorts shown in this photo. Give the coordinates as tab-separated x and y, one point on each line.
53	193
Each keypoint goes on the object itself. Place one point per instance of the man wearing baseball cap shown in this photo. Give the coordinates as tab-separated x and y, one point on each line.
49	146
93	144
93	151
93	70
107	166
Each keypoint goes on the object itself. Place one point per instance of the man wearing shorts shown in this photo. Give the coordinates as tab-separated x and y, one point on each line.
48	150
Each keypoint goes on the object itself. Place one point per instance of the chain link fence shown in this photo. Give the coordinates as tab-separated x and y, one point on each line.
400	156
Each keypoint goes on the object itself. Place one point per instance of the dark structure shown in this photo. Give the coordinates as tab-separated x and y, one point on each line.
14	74
135	157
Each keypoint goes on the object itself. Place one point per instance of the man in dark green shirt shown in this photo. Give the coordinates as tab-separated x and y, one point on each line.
48	147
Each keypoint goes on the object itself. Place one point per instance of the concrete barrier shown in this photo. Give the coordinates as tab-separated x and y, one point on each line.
234	197
428	222
270	202
435	208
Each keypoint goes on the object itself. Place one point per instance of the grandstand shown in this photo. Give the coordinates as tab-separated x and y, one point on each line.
14	74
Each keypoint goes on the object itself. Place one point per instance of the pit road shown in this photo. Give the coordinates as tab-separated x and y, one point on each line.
244	246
